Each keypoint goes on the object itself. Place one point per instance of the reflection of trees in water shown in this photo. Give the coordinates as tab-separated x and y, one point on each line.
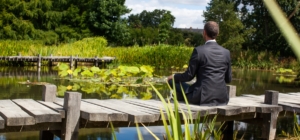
257	81
96	134
253	131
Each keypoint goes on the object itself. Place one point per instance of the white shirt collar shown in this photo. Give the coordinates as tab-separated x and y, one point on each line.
213	40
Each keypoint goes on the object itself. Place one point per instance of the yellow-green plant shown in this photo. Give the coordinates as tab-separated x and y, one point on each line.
174	113
296	130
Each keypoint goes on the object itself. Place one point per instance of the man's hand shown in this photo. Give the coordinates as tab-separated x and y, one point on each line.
170	77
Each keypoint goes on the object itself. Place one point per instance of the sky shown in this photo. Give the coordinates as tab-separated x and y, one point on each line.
188	13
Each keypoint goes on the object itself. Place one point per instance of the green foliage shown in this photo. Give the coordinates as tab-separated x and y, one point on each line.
296	130
267	35
54	22
151	19
109	82
232	31
174	132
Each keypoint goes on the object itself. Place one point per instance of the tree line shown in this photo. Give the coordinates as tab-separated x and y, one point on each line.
244	24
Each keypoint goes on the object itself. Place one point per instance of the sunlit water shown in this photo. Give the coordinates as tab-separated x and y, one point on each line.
247	82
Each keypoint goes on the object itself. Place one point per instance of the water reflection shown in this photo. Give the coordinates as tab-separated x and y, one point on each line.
247	82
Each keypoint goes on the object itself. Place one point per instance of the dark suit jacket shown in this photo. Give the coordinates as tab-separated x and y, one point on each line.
211	65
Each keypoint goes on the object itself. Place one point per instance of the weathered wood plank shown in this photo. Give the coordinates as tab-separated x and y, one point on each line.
2	123
40	112
134	114
203	110
154	112
55	107
92	112
14	115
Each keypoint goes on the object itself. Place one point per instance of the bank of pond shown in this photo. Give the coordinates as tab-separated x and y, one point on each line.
161	56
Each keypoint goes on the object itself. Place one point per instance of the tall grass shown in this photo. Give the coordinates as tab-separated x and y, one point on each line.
160	56
175	115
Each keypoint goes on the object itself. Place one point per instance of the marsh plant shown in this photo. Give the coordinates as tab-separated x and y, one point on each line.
194	129
296	130
113	82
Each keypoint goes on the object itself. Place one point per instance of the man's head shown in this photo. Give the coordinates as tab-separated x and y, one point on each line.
211	30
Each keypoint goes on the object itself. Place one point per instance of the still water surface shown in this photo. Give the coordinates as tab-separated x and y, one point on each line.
247	82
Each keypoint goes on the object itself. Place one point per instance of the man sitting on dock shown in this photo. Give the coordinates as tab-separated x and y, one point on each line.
211	65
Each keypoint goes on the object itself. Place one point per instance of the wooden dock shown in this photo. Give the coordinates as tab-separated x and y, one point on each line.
70	59
63	117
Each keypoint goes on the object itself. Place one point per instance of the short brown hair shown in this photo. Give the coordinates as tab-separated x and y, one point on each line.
212	29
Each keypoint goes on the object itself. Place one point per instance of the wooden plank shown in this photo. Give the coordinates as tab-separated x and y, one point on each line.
229	110
14	115
203	110
134	114
290	107
40	112
2	123
56	107
153	111
254	102
92	112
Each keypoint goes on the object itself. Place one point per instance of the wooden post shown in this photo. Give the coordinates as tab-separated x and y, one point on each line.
270	119
76	61
50	61
39	61
71	61
70	127
231	90
227	127
96	61
48	95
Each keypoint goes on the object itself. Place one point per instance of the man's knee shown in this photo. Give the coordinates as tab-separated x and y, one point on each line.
170	82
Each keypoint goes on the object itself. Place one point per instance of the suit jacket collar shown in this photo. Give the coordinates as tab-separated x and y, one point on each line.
213	40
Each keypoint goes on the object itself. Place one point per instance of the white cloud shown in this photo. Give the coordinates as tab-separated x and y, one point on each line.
188	13
190	2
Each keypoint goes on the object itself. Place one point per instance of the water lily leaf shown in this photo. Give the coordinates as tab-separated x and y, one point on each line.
76	71
69	71
63	66
116	96
88	90
63	73
112	88
122	89
61	90
87	73
134	70
148	70
114	72
95	69
75	87
69	87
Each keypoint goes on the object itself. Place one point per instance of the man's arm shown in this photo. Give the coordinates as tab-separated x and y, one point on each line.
228	71
190	73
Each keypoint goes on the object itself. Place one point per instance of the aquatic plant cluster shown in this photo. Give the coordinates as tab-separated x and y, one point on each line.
112	83
159	56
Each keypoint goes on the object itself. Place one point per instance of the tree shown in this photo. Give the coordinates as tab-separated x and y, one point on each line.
104	19
267	36
150	19
148	24
232	32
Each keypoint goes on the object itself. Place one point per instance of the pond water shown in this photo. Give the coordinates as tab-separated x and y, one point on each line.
246	81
